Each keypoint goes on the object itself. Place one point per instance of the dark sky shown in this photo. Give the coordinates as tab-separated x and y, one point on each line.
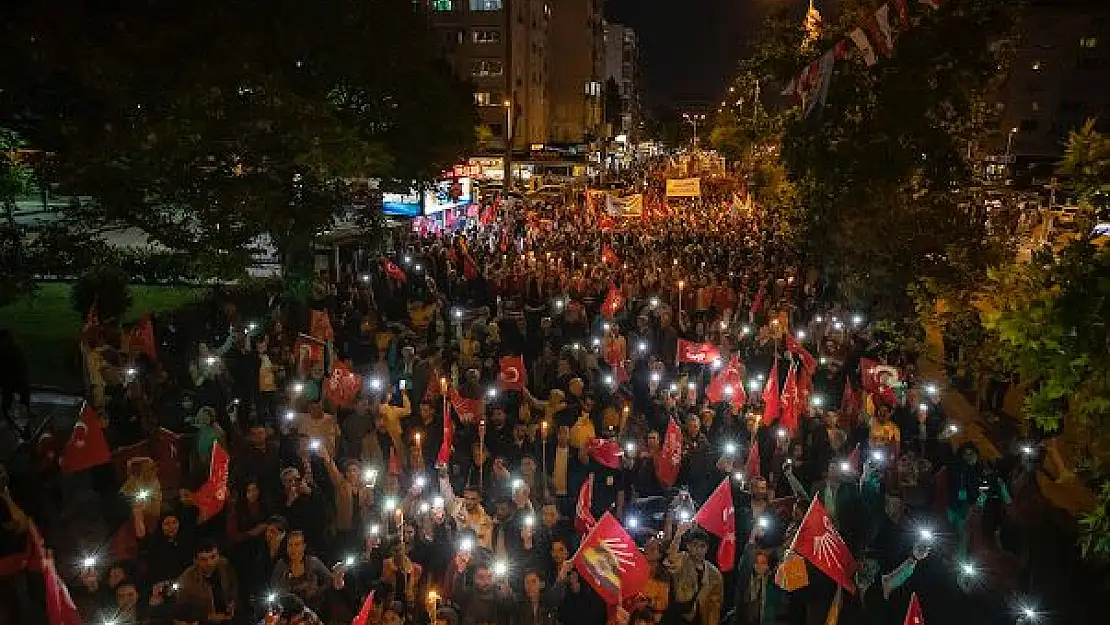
689	48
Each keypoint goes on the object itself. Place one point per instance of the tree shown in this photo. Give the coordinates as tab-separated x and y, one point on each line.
1086	165
881	168
211	124
15	180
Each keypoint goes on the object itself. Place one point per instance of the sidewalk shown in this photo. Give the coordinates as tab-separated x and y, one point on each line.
1073	497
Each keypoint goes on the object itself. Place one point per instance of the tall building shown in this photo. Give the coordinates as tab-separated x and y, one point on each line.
577	52
1059	78
623	67
501	46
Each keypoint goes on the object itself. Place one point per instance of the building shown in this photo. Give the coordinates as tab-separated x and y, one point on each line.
623	67
1059	78
501	46
577	52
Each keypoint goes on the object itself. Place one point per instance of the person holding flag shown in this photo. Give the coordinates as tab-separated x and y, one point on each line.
698	587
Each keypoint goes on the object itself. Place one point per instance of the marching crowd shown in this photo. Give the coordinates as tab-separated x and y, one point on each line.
548	415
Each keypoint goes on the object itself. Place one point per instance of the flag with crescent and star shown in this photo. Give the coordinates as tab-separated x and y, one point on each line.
87	447
513	376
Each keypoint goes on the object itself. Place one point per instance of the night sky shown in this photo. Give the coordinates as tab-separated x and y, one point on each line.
689	48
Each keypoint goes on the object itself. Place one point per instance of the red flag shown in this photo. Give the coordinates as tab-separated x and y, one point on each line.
141	338
754	465
727	385
87	447
758	303
849	401
718	517
605	224
320	326
212	496
697	353
60	609
470	270
363	616
818	541
167	457
513	376
583	511
791	409
809	363
444	455
393	464
614	301
608	256
610	561
343	385
606	451
669	458
913	613
869	374
771	407
469	410
393	271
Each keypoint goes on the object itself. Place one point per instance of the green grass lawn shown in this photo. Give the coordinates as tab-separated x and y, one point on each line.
46	328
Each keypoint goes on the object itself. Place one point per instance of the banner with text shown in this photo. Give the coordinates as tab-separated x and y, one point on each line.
684	187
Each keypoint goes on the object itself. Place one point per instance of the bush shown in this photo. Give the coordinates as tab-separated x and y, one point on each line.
107	287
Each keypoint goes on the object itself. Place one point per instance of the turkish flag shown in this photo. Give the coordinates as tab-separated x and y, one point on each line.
60	609
363	616
583	510
913	613
697	353
141	338
818	541
669	458
608	256
319	326
718	516
754	466
393	271
87	447
469	410
809	363
614	302
792	407
513	375
606	451
343	385
869	374
611	562
771	407
728	385
444	455
212	496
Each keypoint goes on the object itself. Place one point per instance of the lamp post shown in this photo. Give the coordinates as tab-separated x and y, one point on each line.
693	119
508	145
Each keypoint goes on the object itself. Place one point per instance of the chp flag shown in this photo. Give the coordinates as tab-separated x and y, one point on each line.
513	375
583	511
718	516
212	496
669	458
818	541
611	562
697	353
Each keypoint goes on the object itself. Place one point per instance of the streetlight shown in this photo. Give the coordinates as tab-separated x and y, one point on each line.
508	144
1010	142
693	119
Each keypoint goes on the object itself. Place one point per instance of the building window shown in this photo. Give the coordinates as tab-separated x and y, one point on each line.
593	88
1088	42
485	5
1036	66
485	36
483	98
443	5
486	67
1035	106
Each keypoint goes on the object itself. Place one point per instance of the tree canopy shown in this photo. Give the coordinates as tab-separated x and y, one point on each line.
207	124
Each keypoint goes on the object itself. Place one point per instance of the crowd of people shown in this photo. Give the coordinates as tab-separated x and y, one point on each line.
335	494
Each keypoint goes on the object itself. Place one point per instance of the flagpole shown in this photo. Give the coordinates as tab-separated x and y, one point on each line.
808	510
